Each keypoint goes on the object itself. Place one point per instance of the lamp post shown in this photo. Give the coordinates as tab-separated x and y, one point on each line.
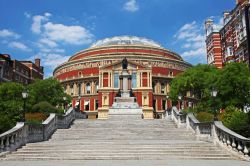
179	99
64	103
25	95
167	97
214	94
79	99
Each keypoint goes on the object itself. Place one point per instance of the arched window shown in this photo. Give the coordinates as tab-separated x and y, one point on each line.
134	85
116	80
163	87
88	88
79	88
72	89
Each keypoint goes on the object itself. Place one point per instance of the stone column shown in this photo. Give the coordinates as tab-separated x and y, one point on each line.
125	83
75	89
147	79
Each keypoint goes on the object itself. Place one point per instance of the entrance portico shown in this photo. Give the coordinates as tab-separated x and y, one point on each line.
129	88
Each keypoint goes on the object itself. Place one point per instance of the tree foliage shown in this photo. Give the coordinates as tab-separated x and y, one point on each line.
234	85
199	80
11	104
49	90
237	121
48	93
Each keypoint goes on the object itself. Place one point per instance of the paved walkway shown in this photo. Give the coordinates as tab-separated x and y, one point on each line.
126	163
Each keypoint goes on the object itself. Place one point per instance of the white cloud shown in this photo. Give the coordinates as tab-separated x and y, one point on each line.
37	20
191	37
194	52
53	60
27	15
48	42
68	34
9	33
54	50
131	6
19	45
50	61
218	25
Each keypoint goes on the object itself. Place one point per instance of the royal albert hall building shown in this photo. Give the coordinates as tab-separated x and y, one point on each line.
92	76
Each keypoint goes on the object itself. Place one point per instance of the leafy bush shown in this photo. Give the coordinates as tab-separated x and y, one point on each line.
6	122
237	121
204	117
44	107
37	116
190	110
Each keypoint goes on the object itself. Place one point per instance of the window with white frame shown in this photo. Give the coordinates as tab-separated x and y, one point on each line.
229	51
88	88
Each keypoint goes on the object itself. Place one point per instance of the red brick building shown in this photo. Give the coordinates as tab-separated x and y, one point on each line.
231	42
92	76
24	72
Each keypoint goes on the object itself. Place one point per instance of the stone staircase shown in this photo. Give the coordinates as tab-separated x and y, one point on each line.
120	139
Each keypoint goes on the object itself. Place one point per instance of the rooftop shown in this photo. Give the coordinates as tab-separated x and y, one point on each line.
126	40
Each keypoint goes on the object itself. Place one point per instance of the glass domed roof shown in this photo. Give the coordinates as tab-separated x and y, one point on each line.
126	40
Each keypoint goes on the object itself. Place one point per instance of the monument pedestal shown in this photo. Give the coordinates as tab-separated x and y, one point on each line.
125	106
103	112
148	113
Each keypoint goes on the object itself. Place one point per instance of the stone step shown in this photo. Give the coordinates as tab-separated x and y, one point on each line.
115	156
118	146
122	150
149	157
120	138
114	144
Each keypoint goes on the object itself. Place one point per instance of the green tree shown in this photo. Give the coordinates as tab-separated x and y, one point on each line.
199	80
237	121
49	90
11	105
234	85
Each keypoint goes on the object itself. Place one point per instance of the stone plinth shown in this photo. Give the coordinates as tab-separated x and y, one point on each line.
91	114
103	113
125	100
148	113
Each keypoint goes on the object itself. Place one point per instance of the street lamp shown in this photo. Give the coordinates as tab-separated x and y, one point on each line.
167	99
25	95
79	100
64	103
214	94
179	99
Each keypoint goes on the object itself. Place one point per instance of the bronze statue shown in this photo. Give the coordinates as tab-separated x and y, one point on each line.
125	63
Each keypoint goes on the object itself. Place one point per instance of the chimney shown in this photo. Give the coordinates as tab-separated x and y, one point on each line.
240	1
209	26
37	62
226	15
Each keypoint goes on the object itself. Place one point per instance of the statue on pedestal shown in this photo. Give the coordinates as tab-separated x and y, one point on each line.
125	63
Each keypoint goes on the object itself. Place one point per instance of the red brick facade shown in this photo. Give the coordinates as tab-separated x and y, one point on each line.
230	43
24	72
96	72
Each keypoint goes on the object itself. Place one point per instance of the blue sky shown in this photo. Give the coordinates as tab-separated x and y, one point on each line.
56	29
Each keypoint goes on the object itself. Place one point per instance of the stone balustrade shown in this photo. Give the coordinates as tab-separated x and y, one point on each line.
213	131
12	138
178	117
24	133
231	139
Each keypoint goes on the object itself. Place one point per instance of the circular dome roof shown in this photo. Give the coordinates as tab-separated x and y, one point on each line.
125	40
